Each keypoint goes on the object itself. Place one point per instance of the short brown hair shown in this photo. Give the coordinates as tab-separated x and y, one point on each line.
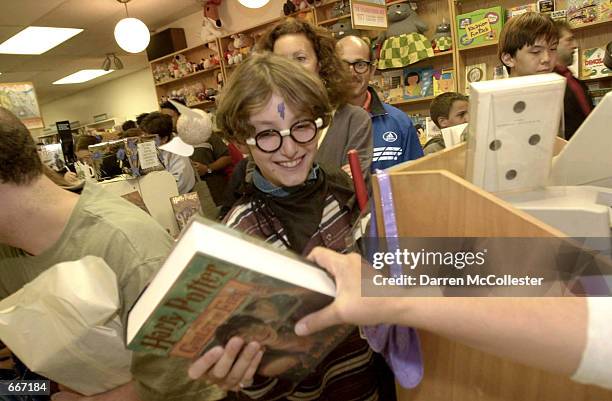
253	83
562	25
19	160
332	70
524	30
157	123
441	105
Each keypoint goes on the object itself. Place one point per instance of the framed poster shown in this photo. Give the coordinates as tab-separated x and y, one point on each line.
369	14
20	99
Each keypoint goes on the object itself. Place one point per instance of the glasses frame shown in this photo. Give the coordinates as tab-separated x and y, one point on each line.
352	64
318	123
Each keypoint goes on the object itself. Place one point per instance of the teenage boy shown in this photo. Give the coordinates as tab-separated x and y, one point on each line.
577	103
394	136
446	110
528	45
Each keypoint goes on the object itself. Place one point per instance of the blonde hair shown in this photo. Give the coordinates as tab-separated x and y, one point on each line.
253	83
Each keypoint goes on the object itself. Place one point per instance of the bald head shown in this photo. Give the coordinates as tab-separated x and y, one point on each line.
19	160
355	52
353	44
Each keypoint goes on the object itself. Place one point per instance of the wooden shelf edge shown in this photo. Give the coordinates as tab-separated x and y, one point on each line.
205	104
329	21
412	101
591	25
187	49
188	76
465	49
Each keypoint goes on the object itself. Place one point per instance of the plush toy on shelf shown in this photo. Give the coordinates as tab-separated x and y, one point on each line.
340	9
442	40
293	6
403	43
343	28
212	26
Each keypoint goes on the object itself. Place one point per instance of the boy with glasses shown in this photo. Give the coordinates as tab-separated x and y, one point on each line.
394	135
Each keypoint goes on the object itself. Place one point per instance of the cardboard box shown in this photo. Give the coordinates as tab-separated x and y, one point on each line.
480	27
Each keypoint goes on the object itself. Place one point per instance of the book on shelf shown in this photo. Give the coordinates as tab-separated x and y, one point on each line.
418	82
185	207
443	81
218	283
522	9
393	87
475	73
592	65
582	12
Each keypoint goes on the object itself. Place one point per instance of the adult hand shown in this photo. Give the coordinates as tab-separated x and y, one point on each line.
201	168
126	392
349	306
231	367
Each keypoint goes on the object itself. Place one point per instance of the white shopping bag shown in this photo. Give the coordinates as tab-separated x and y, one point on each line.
64	325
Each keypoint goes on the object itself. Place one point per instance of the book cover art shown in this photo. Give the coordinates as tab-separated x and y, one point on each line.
480	27
214	300
475	73
443	81
393	88
185	206
418	82
582	12
592	65
605	10
518	10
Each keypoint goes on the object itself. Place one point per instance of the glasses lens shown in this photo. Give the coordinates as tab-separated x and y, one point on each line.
303	131
268	141
361	66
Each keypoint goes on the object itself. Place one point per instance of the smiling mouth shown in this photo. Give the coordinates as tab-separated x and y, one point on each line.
291	163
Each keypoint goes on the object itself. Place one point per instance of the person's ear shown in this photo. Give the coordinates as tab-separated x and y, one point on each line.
508	60
443	122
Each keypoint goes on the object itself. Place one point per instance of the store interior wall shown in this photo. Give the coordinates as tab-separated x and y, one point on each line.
130	95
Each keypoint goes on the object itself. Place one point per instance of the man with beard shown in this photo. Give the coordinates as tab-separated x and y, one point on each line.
577	102
394	136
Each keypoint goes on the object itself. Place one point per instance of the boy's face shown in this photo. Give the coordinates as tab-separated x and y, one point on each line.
529	60
458	114
290	164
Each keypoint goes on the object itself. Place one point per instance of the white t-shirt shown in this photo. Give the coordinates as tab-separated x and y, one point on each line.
596	364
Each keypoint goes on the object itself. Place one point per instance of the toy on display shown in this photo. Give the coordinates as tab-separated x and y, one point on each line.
212	26
340	9
403	43
442	40
343	28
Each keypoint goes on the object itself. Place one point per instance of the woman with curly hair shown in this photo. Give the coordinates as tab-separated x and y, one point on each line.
315	49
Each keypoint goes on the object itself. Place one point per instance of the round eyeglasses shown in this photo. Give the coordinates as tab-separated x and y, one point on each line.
271	140
360	66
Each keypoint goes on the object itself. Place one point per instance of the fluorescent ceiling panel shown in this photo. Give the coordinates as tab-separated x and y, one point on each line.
81	76
37	40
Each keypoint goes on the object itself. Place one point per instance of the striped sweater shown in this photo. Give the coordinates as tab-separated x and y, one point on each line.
351	371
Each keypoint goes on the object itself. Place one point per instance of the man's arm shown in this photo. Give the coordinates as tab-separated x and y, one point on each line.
549	333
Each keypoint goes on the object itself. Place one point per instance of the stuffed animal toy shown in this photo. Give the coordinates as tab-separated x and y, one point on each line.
289	7
403	43
212	27
340	9
442	40
343	28
194	130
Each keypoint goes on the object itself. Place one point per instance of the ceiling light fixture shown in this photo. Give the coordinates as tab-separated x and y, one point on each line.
254	3
81	76
112	62
131	34
37	40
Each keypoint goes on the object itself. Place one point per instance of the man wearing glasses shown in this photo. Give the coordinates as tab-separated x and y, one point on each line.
394	136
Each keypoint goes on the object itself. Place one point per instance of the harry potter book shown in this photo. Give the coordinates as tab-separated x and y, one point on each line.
218	283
